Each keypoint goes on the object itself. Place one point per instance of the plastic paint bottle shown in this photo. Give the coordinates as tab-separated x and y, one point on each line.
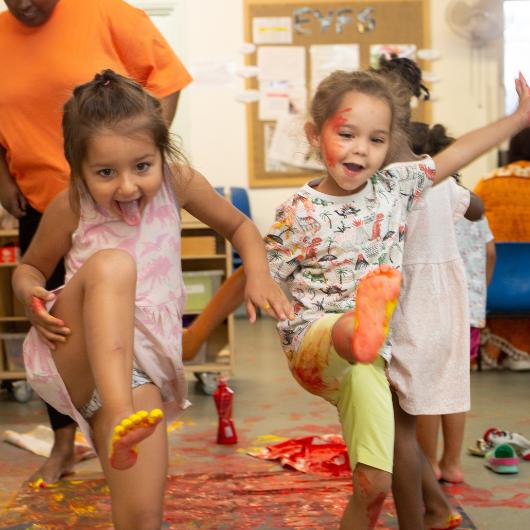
223	396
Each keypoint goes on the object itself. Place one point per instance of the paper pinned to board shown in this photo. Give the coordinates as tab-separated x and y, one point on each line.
326	58
272	30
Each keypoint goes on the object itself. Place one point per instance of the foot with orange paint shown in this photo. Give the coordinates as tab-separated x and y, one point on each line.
130	432
376	299
454	520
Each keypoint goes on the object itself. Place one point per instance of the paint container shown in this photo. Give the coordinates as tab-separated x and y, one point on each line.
223	397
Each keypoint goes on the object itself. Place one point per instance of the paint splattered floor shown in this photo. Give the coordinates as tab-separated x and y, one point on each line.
270	405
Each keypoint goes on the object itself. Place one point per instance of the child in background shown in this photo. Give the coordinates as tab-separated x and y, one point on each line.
477	247
338	242
429	369
106	345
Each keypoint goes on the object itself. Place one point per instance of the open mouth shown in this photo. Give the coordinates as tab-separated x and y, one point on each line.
130	211
353	168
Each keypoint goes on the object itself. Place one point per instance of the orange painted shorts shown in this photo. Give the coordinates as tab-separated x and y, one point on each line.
360	392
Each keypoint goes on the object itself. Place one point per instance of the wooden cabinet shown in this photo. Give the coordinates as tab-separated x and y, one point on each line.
13	323
207	256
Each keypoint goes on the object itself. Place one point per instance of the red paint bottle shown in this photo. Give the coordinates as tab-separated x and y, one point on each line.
223	396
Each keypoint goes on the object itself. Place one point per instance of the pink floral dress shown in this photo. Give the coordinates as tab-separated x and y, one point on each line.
160	296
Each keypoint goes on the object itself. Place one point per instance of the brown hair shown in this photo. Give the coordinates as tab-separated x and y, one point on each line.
110	101
387	88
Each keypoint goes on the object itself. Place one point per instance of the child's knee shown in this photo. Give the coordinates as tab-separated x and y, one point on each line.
114	266
342	335
371	482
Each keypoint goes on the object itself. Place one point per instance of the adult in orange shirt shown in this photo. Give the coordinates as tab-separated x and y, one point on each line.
506	196
49	47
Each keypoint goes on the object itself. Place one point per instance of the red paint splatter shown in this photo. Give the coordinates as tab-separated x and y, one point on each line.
330	142
481	497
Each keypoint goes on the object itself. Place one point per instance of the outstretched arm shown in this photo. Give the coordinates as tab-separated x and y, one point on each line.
198	197
475	143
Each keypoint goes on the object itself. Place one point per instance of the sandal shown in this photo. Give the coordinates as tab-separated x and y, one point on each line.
480	448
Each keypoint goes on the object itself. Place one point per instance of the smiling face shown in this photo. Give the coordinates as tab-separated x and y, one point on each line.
122	172
353	142
31	12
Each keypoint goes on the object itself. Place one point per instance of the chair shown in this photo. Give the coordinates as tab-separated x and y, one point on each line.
509	290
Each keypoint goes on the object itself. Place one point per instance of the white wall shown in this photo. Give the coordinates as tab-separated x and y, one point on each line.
213	125
469	94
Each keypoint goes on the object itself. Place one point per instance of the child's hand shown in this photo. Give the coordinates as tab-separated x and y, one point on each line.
262	291
521	86
50	329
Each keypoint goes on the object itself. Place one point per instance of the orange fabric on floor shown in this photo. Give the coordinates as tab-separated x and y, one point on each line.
506	197
80	38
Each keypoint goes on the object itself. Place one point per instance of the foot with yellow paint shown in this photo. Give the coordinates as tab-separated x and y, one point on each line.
376	298
130	432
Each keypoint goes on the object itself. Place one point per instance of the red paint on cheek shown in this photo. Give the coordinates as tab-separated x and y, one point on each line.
330	140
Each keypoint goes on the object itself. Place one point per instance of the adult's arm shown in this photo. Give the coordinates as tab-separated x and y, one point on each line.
491	257
10	196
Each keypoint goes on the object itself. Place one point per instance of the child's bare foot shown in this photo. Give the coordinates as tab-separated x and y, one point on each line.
451	473
60	462
377	296
57	466
128	433
446	522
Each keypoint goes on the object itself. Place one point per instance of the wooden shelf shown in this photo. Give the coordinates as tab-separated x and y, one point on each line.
14	319
9	232
7	265
9	376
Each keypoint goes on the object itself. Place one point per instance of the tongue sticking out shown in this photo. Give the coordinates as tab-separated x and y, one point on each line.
130	211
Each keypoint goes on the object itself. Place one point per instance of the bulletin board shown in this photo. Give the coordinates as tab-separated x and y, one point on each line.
300	31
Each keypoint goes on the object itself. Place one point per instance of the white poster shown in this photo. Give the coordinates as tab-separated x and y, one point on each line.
326	58
282	63
278	98
272	30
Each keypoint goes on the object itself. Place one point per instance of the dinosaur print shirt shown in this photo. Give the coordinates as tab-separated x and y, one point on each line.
321	245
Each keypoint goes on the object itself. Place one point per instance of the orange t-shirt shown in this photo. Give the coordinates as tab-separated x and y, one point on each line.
506	197
40	66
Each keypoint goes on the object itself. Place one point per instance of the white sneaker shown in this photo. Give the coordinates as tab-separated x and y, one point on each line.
519	442
517	362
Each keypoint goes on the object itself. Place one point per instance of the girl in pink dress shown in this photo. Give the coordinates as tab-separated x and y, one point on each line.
106	347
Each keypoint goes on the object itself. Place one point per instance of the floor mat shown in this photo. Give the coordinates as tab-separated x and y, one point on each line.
241	501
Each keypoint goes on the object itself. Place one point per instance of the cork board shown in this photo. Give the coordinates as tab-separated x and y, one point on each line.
365	24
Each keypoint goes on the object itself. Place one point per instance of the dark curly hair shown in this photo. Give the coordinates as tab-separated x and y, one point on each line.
409	72
430	140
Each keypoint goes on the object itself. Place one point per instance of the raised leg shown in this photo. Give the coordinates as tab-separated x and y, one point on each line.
98	306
